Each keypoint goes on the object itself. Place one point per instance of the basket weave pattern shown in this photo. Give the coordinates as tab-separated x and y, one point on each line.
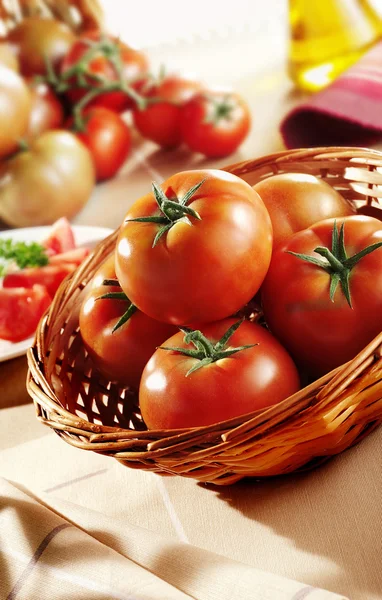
319	421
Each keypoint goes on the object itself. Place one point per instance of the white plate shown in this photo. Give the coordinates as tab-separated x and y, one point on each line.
83	235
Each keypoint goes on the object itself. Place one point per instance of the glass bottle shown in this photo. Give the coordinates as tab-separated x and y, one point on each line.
327	37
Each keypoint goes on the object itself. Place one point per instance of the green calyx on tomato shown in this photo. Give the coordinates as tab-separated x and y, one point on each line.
173	211
118	296
337	264
220	109
205	351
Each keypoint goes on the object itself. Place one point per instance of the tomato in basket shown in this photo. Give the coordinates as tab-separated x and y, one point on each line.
227	369
322	296
119	338
296	201
21	310
196	249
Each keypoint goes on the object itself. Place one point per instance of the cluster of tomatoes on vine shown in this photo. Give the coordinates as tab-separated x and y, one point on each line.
102	77
169	312
91	79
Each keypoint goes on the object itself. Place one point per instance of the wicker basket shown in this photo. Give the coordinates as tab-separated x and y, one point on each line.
304	430
79	15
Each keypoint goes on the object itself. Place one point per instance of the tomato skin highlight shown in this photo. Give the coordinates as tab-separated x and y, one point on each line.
120	356
212	137
20	311
321	334
296	201
108	139
249	380
203	272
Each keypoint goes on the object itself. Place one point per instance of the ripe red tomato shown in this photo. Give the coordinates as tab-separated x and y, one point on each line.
215	123
160	121
297	200
198	266
120	356
49	276
37	40
21	310
46	112
107	137
321	333
134	69
172	397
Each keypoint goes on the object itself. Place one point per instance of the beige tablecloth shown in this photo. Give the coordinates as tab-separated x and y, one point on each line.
323	529
55	549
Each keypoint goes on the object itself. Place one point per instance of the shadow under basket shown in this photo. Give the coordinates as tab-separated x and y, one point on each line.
304	430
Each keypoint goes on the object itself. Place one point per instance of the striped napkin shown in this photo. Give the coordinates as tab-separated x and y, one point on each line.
347	112
52	549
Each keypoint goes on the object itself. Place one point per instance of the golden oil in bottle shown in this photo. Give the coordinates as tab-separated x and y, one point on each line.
327	37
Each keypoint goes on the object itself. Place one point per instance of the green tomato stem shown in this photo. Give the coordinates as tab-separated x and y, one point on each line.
221	109
85	79
118	296
173	211
205	351
337	263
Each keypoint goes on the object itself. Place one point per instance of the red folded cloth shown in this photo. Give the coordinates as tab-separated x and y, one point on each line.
347	112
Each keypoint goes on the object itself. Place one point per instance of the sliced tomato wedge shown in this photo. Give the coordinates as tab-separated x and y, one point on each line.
75	256
49	276
20	311
61	238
